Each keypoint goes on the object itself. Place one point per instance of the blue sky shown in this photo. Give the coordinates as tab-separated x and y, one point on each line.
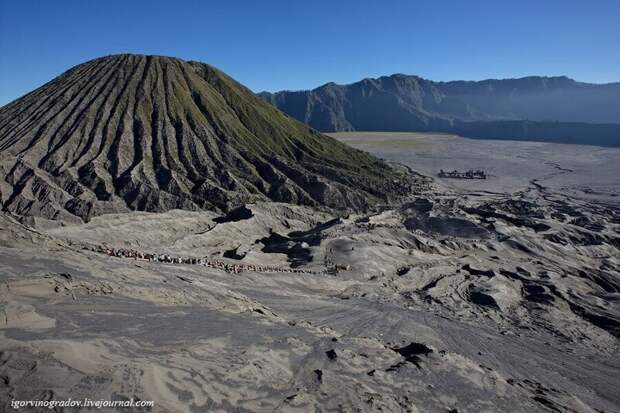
274	45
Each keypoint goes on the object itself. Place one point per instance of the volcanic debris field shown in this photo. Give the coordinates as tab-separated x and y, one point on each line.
499	295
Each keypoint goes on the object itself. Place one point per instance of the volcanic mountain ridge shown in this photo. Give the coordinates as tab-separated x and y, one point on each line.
535	108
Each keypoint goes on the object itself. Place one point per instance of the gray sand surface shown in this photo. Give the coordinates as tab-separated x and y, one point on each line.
481	296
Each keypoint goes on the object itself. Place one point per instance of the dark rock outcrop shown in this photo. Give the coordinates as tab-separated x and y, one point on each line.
412	353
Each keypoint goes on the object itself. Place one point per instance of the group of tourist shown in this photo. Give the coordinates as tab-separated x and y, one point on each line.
233	268
471	174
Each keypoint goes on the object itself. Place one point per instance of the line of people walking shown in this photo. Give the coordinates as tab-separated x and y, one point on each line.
232	268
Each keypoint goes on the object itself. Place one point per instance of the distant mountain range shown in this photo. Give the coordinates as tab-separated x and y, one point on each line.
153	133
557	109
